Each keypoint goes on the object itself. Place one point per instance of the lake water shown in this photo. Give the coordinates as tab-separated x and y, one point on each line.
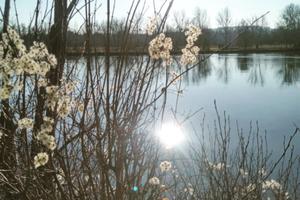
249	87
263	88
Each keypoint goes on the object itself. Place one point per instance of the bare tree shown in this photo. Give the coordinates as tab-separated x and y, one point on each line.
7	148
181	20
200	18
224	21
291	17
259	29
290	24
245	38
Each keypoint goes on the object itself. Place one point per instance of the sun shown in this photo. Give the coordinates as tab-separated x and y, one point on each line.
170	134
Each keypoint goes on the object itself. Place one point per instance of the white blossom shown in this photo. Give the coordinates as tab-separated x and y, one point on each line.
163	187
18	60
47	125
160	47
165	166
217	167
14	37
42	82
64	106
189	189
81	107
40	159
60	176
250	188
188	57
5	91
47	140
69	87
60	179
1	134
190	52
243	173
151	26
271	184
52	60
25	123
192	35
154	181
44	134
1	50
262	172
51	89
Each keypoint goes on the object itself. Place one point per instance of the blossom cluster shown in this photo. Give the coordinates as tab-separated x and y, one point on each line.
60	176
17	60
165	166
250	188
40	159
272	185
151	26
44	134
81	107
11	41
189	189
190	52
25	123
160	47
59	99
154	181
217	167
262	173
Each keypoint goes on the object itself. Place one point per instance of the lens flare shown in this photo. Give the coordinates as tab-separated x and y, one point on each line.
170	134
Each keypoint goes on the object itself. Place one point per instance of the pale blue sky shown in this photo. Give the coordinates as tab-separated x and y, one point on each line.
240	9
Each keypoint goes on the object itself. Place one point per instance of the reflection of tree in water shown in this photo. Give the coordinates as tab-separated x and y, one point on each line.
289	73
204	69
256	75
199	73
243	62
256	67
223	71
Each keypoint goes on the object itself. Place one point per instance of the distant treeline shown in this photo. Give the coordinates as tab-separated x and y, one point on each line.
241	37
247	34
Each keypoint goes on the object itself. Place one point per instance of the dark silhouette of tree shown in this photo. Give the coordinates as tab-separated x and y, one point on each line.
245	38
200	18
7	147
224	21
290	23
181	20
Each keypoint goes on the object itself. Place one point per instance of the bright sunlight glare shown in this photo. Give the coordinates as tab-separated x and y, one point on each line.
170	134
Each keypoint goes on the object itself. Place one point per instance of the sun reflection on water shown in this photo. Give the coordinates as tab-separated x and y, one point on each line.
170	134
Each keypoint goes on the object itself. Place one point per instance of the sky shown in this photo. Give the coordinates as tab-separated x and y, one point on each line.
240	9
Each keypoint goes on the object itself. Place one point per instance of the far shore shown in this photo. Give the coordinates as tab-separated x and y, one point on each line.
143	51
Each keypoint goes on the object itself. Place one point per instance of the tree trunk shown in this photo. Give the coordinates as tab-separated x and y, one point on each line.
7	147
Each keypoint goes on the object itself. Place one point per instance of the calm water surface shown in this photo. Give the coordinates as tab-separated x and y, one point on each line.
263	88
249	87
